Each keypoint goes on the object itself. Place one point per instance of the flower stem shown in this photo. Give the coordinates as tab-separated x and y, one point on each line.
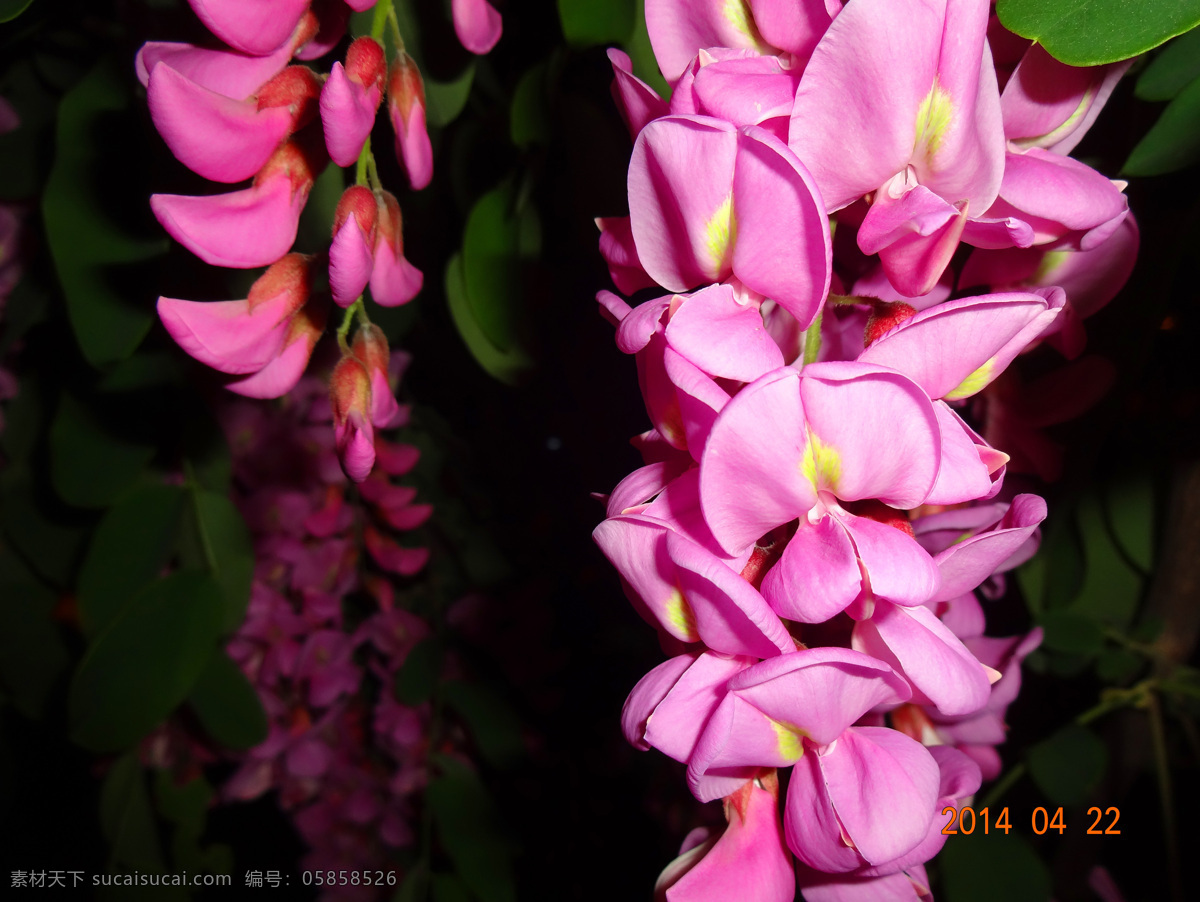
356	309
1162	766
812	339
379	21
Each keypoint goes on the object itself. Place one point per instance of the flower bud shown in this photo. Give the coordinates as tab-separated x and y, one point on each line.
350	99
394	280
884	317
351	255
406	107
350	398
365	63
371	348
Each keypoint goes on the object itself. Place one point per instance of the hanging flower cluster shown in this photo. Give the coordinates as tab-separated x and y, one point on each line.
248	113
343	756
816	512
11	258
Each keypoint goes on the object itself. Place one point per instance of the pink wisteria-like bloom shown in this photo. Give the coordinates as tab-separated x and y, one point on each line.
824	490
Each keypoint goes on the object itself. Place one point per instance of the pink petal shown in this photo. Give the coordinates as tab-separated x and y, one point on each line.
350	262
896	567
252	26
394	281
620	253
922	649
722	337
743	91
817	576
875	785
282	373
878	426
477	24
730	616
783	249
393	557
226	72
227	335
750	479
347	115
794	25
968	563
963	474
957	348
636	100
221	139
698	396
680	29
680	200
243	229
915	233
648	694
1052	105
637	548
641	324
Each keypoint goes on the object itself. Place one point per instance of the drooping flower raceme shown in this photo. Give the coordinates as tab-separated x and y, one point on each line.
824	493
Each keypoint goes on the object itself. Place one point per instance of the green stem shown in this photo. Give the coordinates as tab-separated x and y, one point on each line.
356	309
812	339
379	22
1158	738
365	159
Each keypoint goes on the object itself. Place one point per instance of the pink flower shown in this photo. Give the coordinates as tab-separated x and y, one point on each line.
350	98
477	24
350	396
406	107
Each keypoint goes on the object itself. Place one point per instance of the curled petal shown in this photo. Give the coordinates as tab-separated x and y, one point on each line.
636	100
226	72
477	24
347	115
253	26
350	262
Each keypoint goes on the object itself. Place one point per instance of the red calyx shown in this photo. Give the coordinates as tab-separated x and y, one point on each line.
291	273
884	317
299	89
365	62
405	86
880	513
357	201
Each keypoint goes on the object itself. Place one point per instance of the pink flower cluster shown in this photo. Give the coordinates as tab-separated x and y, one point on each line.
246	113
11	258
344	757
816	513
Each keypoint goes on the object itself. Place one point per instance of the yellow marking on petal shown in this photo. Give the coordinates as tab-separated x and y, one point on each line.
933	118
719	234
1068	125
821	464
680	616
974	382
1050	262
791	740
737	13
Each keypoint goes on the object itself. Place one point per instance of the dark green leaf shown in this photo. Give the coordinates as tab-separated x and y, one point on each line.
448	888
128	551
491	261
207	451
140	668
227	705
144	370
10	9
1130	508
47	533
444	100
1091	32
90	250
529	117
508	367
227	550
1149	629
126	818
993	867
415	887
1054	576
182	804
1111	588
1176	66
1173	142
32	653
89	465
586	23
419	673
23	150
1118	665
1071	633
1068	764
469	829
493	724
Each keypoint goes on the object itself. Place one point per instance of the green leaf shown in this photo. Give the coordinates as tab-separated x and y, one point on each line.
91	467
33	655
494	243
1053	577
1091	32
1173	142
10	9
419	672
91	251
139	669
1111	588
1118	665
185	806
1176	66
23	151
47	533
1068	764
128	551
509	367
1130	509
586	23
126	818
993	867
226	551
529	116
489	718
227	705
448	888
144	370
1071	633
469	829
445	100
